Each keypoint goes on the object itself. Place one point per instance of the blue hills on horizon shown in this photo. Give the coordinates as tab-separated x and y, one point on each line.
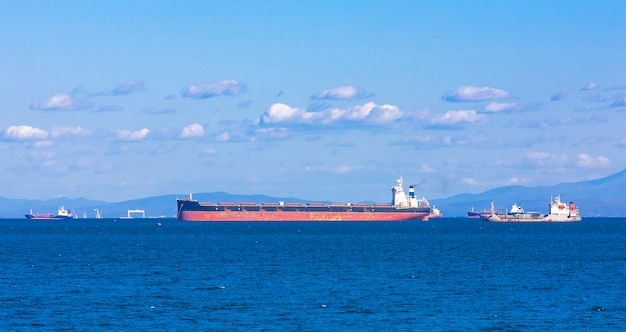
604	197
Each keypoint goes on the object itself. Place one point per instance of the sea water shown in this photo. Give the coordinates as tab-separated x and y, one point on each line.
442	275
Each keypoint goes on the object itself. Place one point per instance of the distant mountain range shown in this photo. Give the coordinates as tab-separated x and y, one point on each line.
605	197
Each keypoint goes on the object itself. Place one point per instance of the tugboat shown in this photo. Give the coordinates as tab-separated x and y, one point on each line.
434	213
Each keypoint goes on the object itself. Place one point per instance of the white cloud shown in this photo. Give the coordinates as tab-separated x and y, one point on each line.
282	113
381	114
474	93
585	160
61	102
25	133
456	117
222	88
127	135
192	130
495	107
347	92
370	113
69	131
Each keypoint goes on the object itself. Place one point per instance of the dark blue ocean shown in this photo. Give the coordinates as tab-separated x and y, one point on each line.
441	275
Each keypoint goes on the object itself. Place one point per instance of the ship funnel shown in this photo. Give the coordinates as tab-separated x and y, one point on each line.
411	191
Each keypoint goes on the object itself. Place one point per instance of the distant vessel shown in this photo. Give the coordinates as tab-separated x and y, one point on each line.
483	213
402	207
61	214
434	213
559	212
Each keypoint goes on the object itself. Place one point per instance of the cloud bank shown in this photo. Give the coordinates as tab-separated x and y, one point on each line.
27	133
474	93
585	160
457	117
61	102
128	135
369	113
19	133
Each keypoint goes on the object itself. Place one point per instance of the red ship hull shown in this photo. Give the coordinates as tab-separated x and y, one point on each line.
298	216
190	210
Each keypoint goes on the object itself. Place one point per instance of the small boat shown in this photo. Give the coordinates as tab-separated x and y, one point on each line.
62	214
434	213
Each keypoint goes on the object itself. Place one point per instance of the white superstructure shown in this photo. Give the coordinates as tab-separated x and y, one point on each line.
401	200
559	212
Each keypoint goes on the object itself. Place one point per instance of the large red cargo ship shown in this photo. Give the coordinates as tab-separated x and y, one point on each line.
402	207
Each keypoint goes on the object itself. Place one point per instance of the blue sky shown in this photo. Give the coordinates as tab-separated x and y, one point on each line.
320	100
